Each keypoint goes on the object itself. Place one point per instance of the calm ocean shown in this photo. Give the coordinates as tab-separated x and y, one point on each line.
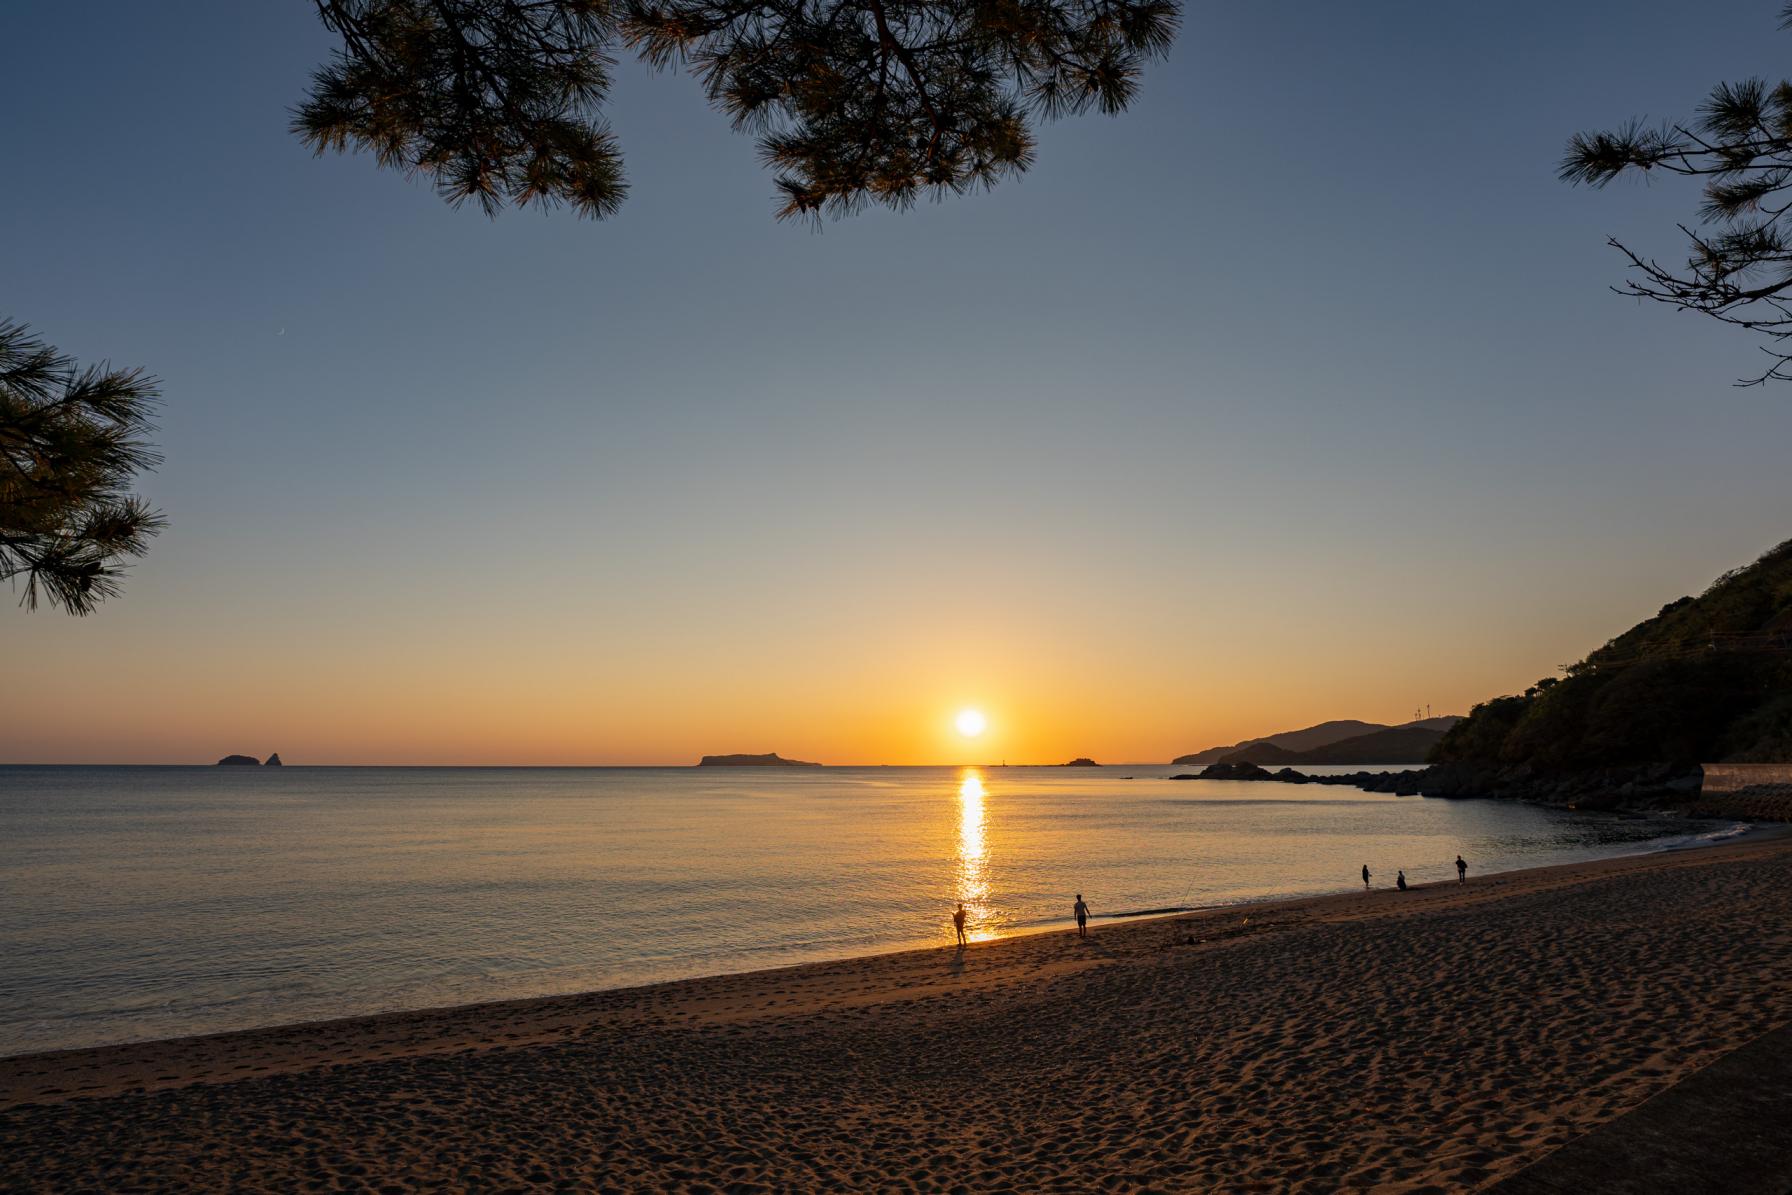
142	902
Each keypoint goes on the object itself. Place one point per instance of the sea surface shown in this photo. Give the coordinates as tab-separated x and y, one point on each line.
146	902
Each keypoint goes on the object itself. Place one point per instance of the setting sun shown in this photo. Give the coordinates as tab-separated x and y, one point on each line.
971	723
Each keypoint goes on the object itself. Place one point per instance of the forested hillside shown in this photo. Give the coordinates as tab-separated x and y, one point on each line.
1707	679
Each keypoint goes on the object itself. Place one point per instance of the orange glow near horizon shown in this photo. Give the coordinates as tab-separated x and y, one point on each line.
866	684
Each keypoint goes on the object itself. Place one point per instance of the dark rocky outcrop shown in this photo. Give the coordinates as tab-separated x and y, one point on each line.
1230	771
273	761
770	759
1082	761
1636	786
1645	786
239	761
1640	787
1400	783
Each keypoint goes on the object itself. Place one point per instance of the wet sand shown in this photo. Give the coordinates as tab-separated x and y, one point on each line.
1439	1039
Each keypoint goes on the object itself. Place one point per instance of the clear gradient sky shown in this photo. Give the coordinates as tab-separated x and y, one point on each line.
1294	393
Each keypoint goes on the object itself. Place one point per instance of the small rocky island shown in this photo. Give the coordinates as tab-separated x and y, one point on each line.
249	761
771	759
1082	761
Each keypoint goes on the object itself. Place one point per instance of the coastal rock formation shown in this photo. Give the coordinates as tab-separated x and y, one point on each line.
770	759
242	761
1638	786
273	761
1082	761
1230	771
1646	786
1654	787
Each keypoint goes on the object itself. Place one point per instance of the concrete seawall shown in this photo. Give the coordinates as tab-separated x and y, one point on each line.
1753	791
1733	777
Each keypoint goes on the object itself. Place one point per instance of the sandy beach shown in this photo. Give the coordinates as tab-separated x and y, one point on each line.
1445	1038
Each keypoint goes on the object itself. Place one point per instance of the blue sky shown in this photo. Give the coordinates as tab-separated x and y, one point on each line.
1295	392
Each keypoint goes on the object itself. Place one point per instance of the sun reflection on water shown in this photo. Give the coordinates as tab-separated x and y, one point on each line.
973	878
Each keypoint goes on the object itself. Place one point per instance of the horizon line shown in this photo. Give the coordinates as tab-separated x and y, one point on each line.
714	767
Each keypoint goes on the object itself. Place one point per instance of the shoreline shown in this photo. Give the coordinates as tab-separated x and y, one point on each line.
1449	1037
1750	832
554	1007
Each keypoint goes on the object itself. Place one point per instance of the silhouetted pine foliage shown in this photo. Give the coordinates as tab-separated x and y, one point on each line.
1739	263
495	101
1707	679
853	101
71	441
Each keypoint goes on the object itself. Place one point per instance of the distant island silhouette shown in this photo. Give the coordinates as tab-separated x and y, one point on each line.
1303	746
770	759
249	761
1400	744
1082	761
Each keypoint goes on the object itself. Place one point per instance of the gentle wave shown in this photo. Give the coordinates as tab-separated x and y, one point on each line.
151	902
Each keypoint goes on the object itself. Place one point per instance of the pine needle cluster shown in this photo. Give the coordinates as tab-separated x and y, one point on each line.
495	100
71	441
852	101
1738	267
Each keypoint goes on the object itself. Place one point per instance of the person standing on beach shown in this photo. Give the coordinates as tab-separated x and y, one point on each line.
1365	877
1400	881
1082	917
1461	870
958	924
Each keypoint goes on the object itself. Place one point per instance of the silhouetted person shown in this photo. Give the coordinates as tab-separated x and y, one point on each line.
1461	870
958	924
1400	881
1365	877
1082	917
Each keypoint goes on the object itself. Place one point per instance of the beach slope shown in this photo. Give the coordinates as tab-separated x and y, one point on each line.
1444	1038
